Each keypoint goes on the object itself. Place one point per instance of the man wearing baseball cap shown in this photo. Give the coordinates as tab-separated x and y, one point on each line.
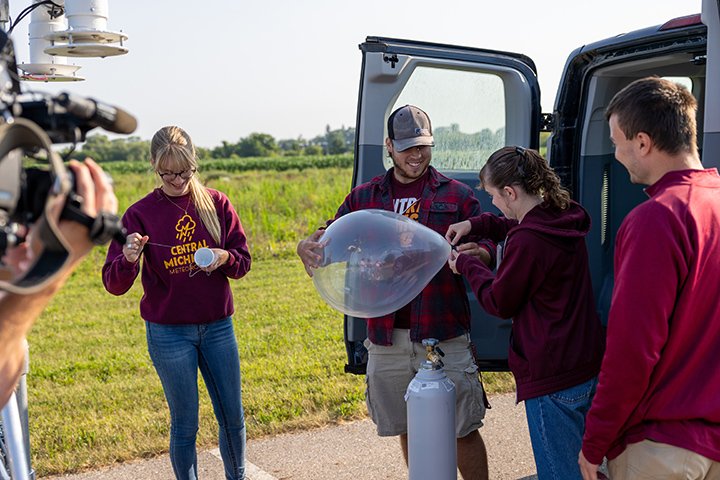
412	187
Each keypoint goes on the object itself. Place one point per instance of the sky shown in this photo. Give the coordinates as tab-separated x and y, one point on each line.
223	69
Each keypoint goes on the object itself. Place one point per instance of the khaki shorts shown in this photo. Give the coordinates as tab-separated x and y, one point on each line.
648	459
391	368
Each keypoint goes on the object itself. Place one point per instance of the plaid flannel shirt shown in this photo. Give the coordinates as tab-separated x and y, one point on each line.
441	310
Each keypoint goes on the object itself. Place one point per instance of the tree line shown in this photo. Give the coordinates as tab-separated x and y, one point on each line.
448	139
133	148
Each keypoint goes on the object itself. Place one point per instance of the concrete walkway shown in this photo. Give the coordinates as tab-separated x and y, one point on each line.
348	451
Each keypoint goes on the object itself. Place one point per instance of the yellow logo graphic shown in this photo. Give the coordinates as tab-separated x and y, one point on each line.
185	228
182	256
413	211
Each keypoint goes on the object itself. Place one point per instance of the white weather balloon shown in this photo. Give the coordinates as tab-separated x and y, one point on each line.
376	261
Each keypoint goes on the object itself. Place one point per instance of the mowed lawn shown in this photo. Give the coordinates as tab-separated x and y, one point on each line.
94	396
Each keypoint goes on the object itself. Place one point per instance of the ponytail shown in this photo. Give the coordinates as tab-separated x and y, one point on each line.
528	169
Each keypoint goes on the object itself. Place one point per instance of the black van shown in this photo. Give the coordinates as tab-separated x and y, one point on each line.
480	100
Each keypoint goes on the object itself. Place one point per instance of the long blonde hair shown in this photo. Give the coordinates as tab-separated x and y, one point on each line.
173	144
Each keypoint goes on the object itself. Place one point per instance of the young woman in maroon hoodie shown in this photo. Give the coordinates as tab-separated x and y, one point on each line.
543	284
187	309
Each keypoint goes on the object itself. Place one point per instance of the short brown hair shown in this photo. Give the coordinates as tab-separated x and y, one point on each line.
662	109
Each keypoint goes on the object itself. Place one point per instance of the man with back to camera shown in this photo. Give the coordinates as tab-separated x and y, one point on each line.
415	189
656	412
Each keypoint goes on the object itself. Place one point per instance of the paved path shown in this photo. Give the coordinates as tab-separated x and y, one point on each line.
348	451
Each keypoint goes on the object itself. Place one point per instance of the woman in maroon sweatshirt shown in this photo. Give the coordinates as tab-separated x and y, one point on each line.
543	284
186	308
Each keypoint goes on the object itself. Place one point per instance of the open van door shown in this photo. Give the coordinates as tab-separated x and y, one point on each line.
580	149
711	133
478	101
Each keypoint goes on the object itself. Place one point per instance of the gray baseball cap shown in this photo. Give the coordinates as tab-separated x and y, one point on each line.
408	127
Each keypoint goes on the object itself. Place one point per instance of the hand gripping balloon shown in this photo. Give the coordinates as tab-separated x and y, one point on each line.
376	261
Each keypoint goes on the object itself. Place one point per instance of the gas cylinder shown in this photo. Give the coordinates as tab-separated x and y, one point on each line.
430	397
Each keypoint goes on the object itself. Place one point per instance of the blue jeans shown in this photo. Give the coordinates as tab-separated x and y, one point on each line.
557	423
177	351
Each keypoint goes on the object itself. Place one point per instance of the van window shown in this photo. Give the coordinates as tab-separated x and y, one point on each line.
684	81
467	111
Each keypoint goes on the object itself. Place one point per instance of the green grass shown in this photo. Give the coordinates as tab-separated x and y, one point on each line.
94	396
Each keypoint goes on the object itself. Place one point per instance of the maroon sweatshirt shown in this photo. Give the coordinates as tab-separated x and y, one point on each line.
175	290
660	377
543	284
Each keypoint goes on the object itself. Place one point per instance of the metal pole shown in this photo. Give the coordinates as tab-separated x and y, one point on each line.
22	402
13	440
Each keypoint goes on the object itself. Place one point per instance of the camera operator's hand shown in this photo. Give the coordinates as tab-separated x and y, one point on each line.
19	257
133	247
18	312
97	193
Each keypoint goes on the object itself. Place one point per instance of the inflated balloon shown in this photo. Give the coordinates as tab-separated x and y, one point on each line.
376	261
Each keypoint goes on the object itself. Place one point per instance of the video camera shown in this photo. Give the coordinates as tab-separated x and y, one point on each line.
28	128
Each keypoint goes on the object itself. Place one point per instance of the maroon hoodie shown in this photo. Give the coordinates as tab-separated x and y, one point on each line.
543	284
